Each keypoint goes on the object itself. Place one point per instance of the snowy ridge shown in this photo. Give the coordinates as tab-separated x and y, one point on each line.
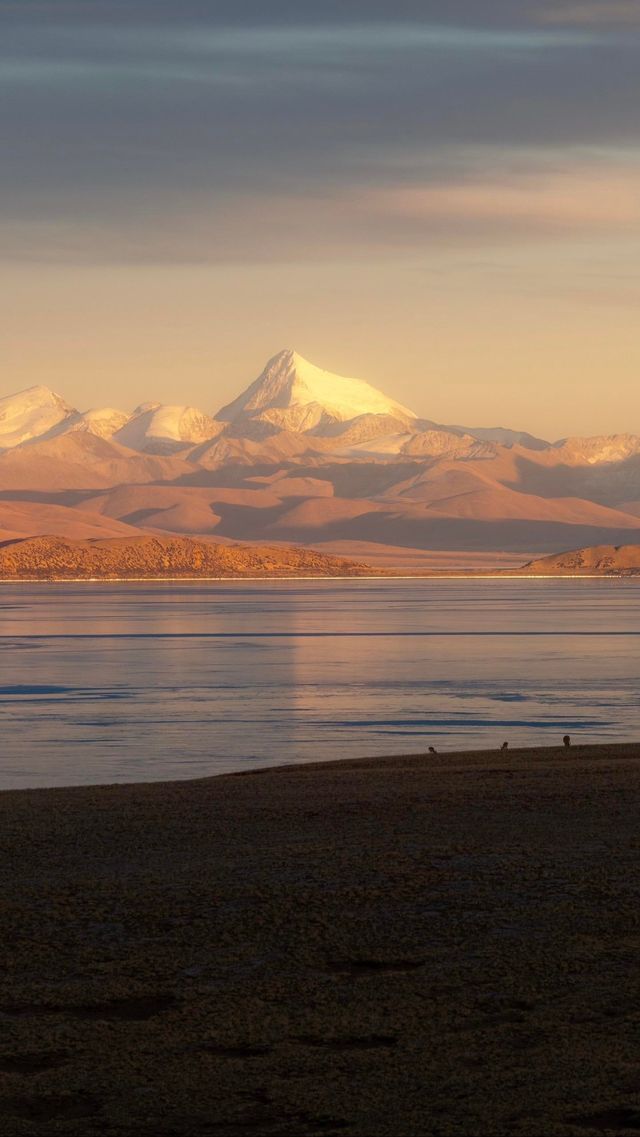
292	408
29	414
157	428
101	421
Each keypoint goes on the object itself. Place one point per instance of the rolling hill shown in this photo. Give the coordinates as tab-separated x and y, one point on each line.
599	560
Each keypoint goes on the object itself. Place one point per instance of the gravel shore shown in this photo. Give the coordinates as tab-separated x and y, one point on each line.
423	945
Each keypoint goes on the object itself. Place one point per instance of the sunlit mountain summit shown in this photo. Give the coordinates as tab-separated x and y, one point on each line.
293	394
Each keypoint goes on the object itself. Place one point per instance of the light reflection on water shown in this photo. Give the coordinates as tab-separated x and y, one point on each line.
137	682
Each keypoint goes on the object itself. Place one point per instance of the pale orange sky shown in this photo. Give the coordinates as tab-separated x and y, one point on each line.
536	339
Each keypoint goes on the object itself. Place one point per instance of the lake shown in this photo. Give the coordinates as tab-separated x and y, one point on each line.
140	682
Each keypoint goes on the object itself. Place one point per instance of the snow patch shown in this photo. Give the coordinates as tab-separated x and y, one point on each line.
30	414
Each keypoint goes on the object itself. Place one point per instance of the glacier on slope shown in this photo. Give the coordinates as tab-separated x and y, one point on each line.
161	429
30	414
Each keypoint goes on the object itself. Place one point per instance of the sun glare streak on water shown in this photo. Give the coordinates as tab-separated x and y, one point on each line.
141	682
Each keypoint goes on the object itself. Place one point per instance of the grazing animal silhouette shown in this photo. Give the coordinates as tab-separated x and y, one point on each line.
505	746
432	750
567	741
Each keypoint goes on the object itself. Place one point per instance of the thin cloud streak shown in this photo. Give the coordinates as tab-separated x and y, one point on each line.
491	207
574	200
283	13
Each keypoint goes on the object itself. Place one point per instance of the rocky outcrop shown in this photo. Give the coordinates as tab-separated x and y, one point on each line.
604	560
152	558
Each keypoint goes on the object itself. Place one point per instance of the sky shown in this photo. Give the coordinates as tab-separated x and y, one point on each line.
439	196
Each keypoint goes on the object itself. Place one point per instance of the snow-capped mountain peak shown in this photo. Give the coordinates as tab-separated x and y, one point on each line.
159	429
29	414
296	395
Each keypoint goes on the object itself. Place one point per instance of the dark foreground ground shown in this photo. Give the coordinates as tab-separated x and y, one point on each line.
411	946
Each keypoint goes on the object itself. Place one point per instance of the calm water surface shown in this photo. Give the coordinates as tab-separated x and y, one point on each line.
139	682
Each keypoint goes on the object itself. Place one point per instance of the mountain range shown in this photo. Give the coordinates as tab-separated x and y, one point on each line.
307	457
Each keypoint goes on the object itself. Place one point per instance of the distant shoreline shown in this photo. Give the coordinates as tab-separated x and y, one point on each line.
382	575
442	760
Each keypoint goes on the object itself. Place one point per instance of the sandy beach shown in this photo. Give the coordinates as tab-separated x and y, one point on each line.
420	945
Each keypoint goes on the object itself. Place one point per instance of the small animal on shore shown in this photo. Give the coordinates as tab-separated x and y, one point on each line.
432	750
505	746
566	738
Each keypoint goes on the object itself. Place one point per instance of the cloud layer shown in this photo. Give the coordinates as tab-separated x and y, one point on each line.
239	131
